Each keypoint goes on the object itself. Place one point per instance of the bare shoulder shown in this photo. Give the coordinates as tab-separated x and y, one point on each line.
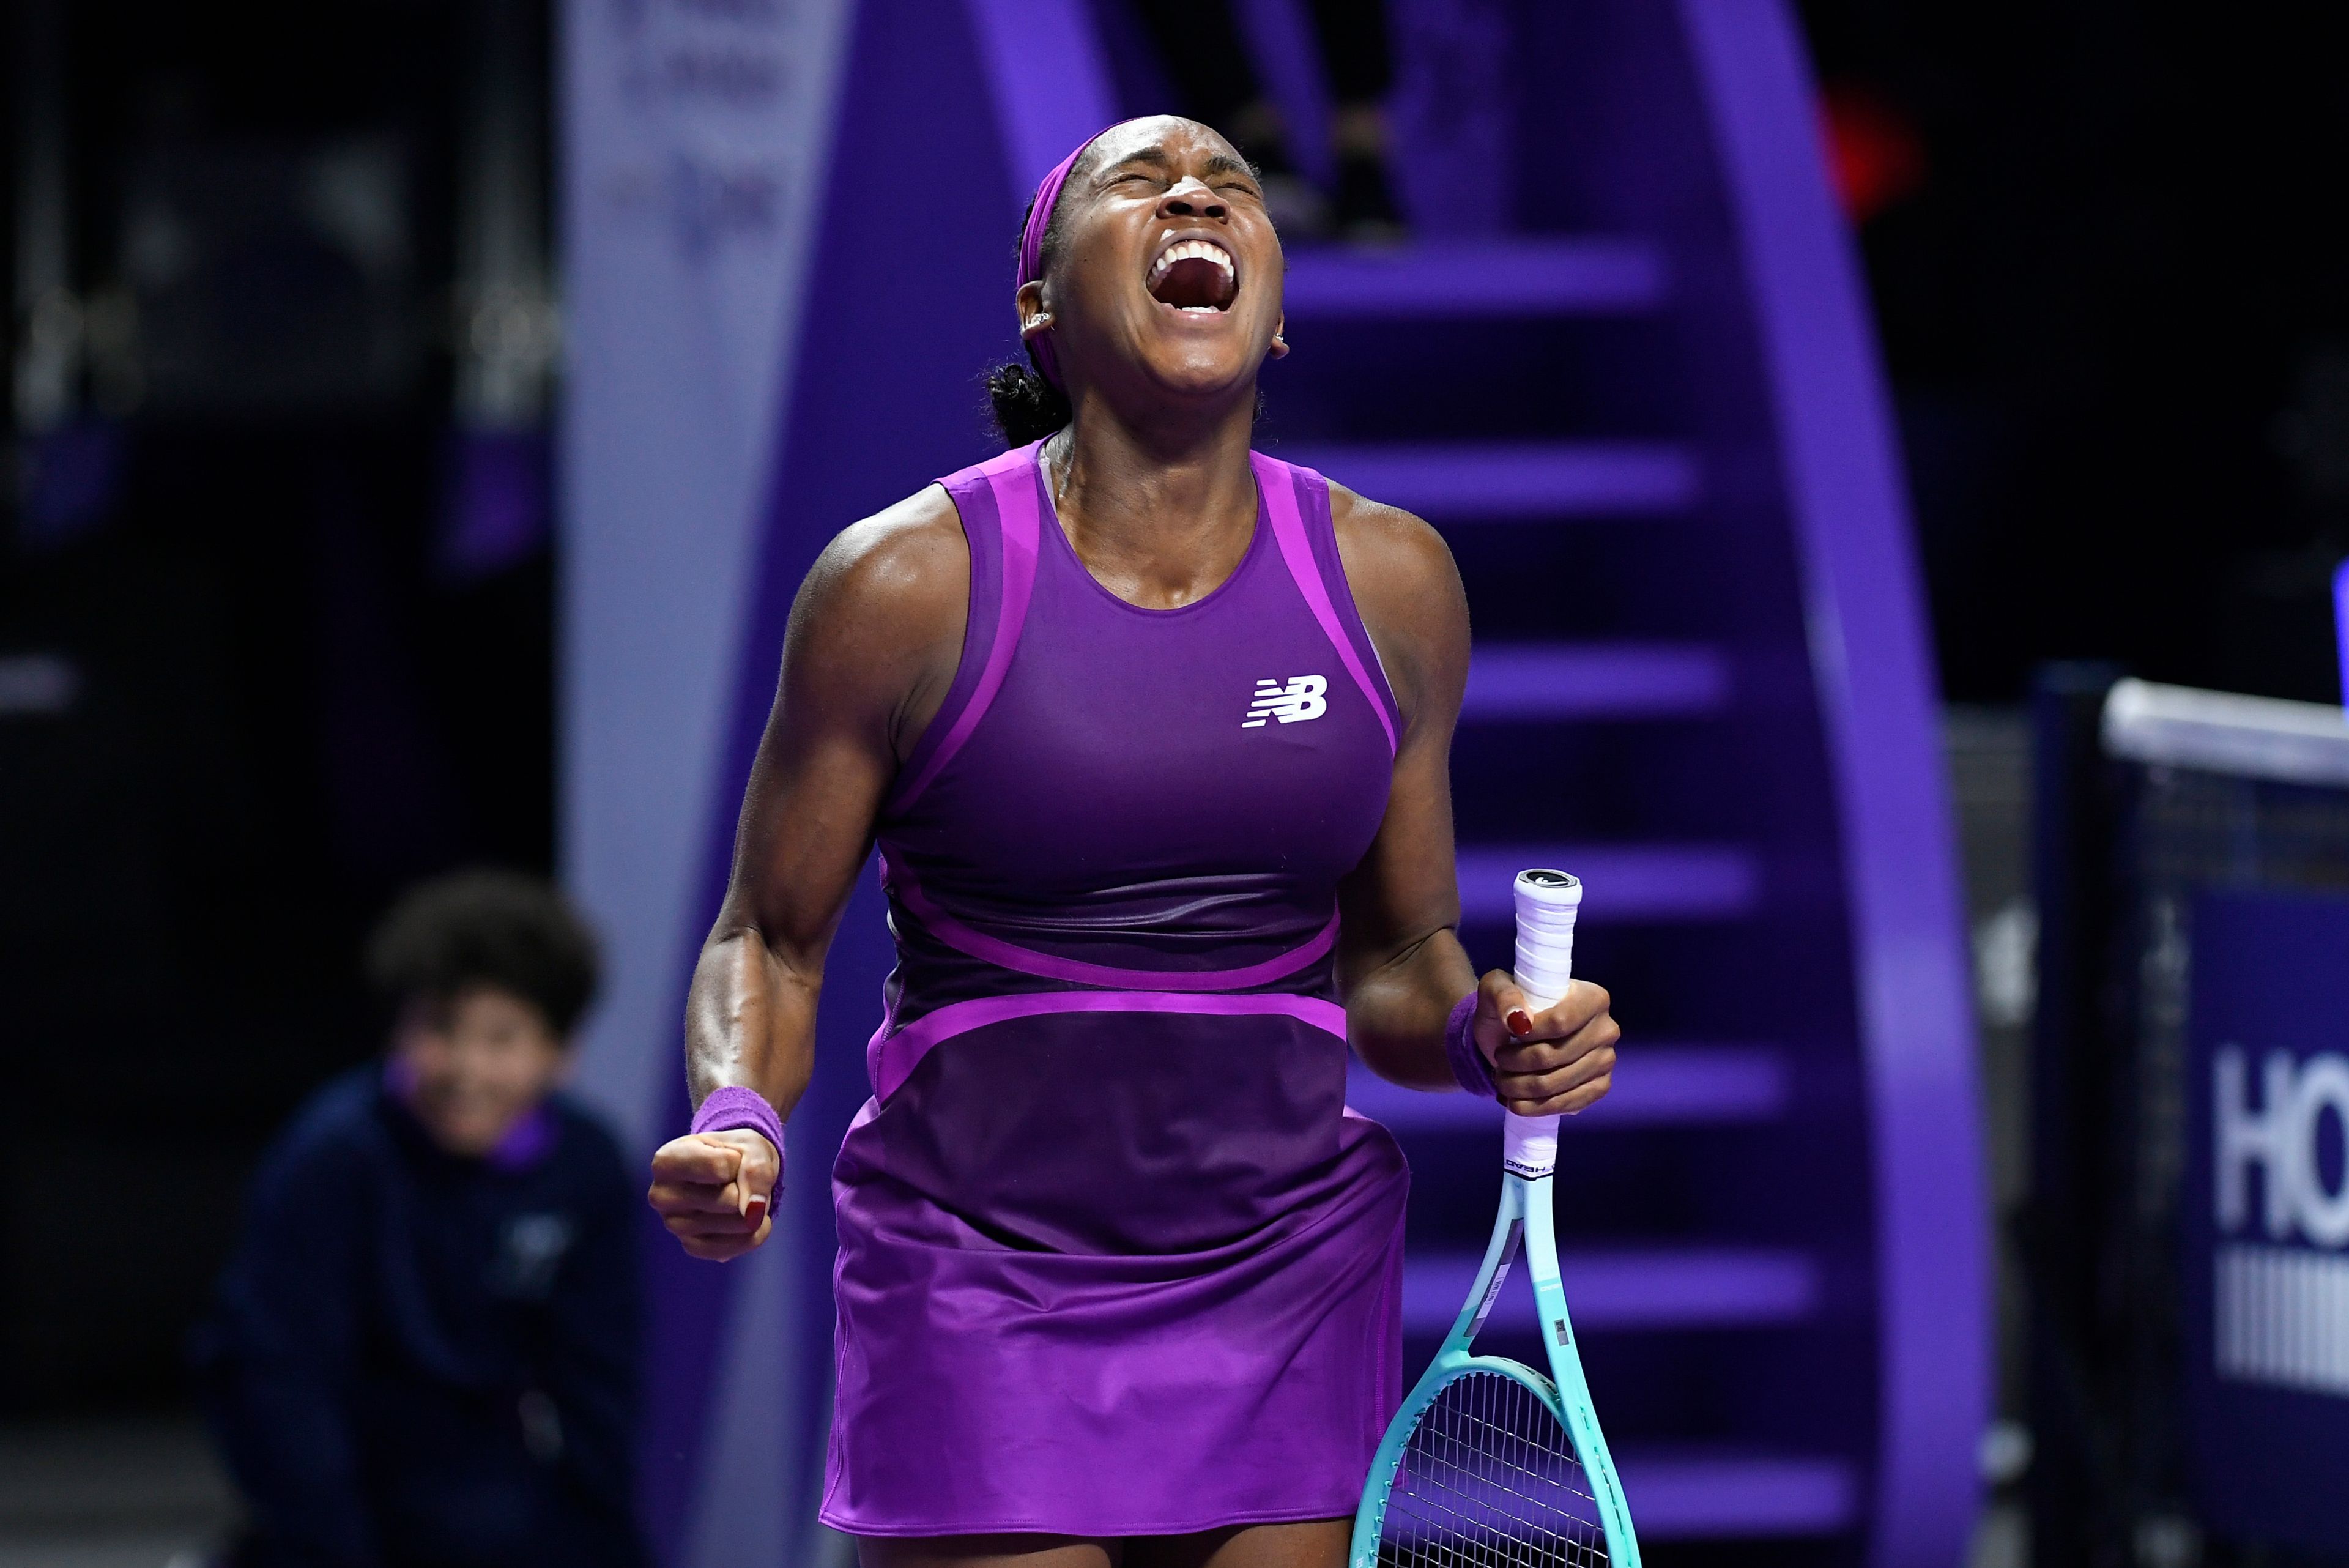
879	619
912	554
1408	590
1387	539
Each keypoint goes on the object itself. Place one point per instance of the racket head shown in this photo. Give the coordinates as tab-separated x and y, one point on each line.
1487	1475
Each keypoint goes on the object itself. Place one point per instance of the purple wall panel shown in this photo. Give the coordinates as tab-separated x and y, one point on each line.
1864	614
1043	66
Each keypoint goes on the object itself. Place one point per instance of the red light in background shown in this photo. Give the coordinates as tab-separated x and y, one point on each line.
1875	156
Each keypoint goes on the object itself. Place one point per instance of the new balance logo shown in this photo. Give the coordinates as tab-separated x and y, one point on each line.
1305	697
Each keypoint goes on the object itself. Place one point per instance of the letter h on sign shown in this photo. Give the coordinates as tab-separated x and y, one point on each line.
2263	1271
2280	1137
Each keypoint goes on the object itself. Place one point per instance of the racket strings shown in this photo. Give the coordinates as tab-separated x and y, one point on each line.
1489	1480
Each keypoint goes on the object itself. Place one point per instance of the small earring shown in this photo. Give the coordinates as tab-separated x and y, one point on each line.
1036	323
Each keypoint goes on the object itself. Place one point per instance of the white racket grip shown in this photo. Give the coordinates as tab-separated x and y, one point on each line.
1547	902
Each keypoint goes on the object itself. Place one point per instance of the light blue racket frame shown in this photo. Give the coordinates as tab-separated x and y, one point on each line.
1524	1222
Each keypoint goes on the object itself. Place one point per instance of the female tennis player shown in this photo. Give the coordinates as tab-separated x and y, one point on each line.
1151	732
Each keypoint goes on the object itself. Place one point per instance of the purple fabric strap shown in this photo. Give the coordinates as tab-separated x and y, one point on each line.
891	1057
1032	245
1015	481
737	1109
898	879
1279	482
1468	1064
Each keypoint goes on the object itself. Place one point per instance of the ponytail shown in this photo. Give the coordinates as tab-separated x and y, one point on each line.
1027	407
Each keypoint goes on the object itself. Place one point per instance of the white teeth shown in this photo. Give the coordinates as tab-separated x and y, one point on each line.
1202	250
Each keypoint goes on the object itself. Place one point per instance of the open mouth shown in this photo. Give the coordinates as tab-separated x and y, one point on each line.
1194	275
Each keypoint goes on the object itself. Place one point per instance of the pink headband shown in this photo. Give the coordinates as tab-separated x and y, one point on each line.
1031	244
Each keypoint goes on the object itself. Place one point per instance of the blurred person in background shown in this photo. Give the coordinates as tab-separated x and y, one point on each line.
1201	46
426	1347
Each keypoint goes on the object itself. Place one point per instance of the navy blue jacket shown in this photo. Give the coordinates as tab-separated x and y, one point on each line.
418	1358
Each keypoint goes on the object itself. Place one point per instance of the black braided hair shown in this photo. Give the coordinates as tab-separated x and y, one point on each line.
1026	406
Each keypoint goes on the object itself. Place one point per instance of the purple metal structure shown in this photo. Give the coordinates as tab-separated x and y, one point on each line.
1627	371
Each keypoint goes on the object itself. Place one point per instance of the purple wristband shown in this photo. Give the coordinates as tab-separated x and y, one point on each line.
737	1109
1468	1064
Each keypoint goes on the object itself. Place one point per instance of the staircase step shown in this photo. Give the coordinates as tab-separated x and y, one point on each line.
1631	882
1679	1494
1677	1287
1512	481
1590	275
1656	1086
1516	681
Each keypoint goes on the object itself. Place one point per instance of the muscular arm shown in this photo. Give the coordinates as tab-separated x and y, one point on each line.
871	648
1400	964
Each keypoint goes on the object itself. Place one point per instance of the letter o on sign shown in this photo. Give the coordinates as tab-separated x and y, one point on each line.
2323	1086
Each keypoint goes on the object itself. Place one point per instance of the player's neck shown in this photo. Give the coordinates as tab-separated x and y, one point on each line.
1169	498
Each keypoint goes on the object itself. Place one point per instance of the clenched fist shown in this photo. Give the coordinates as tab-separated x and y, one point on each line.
710	1190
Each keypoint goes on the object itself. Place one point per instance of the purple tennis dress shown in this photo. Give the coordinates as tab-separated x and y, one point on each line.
1115	1259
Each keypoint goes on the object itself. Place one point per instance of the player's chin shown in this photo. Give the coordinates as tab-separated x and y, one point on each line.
1202	367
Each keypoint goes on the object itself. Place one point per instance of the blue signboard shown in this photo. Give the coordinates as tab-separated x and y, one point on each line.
2266	1204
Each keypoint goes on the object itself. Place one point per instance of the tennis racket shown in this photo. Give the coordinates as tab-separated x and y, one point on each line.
1489	1464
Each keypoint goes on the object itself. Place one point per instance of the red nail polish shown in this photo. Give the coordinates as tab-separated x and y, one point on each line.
755	1215
1519	1023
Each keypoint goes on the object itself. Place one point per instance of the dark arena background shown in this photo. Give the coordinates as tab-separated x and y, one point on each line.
1898	458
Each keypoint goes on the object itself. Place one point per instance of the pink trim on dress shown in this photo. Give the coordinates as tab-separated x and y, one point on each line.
1013	477
891	1061
976	944
1279	483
